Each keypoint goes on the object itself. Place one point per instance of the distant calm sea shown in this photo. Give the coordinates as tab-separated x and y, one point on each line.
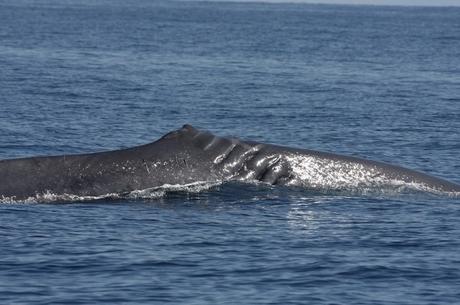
377	82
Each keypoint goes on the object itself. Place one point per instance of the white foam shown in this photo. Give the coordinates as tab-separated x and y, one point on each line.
150	193
158	192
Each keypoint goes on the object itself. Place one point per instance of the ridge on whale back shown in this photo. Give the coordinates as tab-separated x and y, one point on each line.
189	155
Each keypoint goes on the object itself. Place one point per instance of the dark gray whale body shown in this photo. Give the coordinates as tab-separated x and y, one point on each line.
188	156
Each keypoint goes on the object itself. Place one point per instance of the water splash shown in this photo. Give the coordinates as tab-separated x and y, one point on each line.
144	194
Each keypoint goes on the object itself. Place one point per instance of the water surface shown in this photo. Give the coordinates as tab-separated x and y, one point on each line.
377	82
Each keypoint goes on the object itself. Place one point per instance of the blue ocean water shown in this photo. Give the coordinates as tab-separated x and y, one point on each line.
376	82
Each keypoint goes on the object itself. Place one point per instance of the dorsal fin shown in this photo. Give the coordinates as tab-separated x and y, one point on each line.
186	130
189	129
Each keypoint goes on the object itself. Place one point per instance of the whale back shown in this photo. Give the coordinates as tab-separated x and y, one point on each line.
189	155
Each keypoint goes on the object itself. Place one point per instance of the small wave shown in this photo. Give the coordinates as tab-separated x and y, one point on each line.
159	192
144	194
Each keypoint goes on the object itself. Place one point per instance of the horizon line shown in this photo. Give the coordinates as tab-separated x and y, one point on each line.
332	2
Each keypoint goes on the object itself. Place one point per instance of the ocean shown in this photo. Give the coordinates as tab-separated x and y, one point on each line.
382	83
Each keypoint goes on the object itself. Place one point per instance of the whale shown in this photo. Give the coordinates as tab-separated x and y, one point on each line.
189	155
